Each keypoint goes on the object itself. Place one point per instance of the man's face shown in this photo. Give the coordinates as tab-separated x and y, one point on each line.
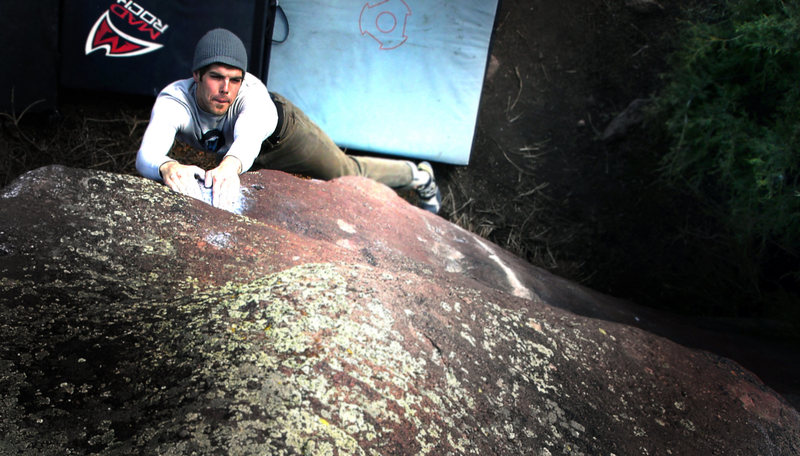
217	88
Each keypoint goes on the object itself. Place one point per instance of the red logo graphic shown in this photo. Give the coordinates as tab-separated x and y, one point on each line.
382	22
116	43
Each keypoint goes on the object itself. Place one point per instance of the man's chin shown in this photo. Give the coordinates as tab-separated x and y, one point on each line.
220	108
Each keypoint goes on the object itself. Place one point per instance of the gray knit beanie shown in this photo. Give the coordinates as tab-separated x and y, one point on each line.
220	46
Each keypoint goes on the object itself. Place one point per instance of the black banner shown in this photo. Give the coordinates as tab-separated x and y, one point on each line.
140	47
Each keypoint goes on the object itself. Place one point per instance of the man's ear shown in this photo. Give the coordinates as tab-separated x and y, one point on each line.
196	76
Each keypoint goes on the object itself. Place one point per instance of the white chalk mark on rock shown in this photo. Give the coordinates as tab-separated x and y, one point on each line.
518	288
346	227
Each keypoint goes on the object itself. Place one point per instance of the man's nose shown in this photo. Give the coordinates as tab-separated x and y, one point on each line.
225	86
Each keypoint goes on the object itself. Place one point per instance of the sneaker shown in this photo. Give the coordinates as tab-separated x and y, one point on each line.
429	194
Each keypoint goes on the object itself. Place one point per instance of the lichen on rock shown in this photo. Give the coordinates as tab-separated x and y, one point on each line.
137	321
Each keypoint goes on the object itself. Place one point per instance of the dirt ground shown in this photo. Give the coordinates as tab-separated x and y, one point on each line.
551	190
546	183
541	181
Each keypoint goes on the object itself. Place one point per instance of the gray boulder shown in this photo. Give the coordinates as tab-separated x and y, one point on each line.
328	318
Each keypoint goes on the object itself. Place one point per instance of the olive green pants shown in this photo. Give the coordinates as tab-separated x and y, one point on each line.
300	146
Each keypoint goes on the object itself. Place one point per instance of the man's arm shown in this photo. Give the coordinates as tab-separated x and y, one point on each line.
167	117
256	119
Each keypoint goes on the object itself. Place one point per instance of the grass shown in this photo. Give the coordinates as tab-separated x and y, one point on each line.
84	137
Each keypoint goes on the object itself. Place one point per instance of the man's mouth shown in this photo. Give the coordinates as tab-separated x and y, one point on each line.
221	100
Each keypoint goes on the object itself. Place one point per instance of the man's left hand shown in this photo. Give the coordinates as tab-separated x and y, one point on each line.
224	180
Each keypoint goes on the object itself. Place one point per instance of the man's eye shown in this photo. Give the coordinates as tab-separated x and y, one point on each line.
236	80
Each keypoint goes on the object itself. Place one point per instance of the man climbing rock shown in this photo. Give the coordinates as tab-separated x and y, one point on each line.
225	110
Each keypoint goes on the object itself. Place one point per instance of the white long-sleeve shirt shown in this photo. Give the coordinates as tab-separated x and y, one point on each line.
251	118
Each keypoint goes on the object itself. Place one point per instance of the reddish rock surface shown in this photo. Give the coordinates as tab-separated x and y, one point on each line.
328	318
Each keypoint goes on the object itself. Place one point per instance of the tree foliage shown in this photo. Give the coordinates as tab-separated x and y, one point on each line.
732	110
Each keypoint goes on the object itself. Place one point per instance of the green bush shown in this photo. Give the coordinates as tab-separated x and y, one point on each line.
732	110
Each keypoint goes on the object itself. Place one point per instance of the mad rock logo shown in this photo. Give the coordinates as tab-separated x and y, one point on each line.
129	16
385	22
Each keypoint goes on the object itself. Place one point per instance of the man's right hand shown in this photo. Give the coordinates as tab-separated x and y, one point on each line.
182	178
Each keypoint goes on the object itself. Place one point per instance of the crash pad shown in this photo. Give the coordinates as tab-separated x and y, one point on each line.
398	77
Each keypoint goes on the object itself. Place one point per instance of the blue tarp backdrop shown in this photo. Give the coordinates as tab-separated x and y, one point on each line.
400	77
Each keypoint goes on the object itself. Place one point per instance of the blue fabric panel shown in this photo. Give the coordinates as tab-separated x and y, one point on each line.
400	77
